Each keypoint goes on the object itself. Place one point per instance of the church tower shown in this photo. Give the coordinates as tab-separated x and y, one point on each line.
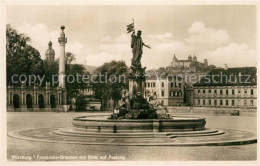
50	53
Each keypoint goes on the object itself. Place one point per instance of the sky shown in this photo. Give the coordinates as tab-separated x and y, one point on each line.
223	34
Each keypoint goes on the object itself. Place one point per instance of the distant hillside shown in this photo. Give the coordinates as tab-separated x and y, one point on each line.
90	69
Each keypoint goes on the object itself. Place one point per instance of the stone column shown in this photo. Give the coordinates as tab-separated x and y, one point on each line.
9	98
22	97
62	40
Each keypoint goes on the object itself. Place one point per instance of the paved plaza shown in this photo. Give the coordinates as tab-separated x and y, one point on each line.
35	150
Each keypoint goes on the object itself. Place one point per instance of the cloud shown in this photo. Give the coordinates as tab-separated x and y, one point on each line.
201	36
123	38
171	46
117	48
164	36
106	39
99	58
234	55
206	42
40	37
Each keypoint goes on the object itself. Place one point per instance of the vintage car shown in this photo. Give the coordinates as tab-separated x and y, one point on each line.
235	113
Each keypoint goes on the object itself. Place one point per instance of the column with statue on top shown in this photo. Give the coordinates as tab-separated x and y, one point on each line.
61	88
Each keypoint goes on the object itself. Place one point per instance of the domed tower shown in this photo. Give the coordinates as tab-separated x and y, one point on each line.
194	58
189	58
50	53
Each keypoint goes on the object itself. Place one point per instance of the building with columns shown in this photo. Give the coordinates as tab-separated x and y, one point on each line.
28	98
38	98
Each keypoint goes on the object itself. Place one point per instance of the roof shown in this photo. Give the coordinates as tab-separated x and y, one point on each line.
184	61
50	51
240	76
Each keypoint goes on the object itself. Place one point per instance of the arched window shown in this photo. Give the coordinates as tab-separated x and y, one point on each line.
16	101
29	101
41	101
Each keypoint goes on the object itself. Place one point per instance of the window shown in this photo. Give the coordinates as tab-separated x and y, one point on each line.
204	102
215	92
245	102
180	94
198	91
215	102
148	84
209	91
252	91
226	102
227	92
209	102
233	92
198	101
153	84
245	91
162	84
171	84
203	91
175	84
179	85
162	93
221	102
238	91
221	92
233	102
251	102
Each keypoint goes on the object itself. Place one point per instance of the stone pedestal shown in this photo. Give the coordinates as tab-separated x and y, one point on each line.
136	81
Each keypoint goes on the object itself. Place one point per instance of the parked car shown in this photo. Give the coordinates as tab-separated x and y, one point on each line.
235	113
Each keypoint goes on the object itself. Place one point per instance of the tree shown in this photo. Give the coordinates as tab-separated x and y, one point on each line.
21	58
113	69
81	103
74	82
69	58
51	70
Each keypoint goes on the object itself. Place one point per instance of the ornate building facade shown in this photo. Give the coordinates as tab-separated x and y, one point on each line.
38	98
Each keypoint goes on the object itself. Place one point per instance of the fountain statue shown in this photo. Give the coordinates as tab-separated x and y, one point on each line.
134	104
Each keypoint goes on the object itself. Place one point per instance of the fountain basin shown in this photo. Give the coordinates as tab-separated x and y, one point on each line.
100	123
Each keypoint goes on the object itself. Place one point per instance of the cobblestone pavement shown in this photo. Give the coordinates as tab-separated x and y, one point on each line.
21	121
